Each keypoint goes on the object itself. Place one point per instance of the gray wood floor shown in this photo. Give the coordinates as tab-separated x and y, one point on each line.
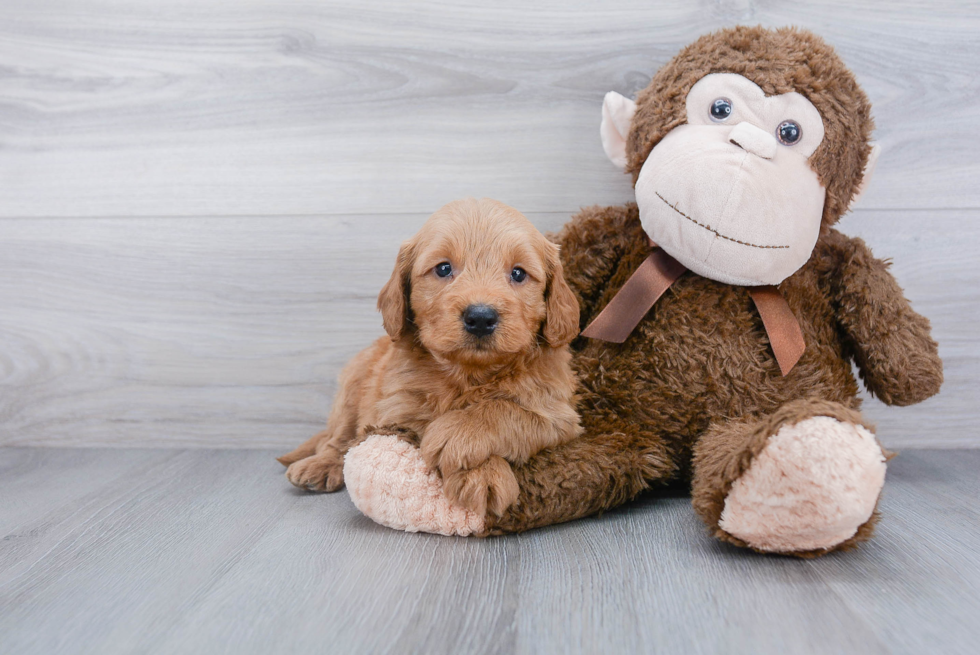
203	551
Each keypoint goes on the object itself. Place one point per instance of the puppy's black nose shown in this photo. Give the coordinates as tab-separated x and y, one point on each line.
480	320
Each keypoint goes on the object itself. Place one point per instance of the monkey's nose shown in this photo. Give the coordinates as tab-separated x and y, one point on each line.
753	139
480	320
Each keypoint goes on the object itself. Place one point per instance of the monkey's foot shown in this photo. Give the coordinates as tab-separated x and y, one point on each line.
810	489
390	483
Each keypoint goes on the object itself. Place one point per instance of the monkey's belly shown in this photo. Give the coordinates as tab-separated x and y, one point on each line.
702	355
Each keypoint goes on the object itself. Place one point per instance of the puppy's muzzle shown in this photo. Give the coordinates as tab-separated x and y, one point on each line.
480	320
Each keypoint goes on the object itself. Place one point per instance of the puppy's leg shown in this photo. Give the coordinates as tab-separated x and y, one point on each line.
464	438
318	464
306	449
466	446
491	485
321	472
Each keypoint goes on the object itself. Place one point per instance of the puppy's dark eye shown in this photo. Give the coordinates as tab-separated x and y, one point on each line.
518	274
444	269
789	132
720	109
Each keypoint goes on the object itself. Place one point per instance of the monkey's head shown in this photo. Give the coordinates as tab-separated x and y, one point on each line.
744	148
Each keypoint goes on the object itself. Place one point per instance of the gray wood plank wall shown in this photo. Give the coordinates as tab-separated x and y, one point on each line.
199	200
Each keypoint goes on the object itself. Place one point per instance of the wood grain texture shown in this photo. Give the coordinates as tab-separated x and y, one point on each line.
213	551
200	201
259	107
230	332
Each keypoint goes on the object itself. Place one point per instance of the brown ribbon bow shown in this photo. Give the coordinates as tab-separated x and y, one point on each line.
655	275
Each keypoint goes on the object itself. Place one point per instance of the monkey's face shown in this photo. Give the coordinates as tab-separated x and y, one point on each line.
731	194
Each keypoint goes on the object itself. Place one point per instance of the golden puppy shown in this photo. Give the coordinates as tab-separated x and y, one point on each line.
477	363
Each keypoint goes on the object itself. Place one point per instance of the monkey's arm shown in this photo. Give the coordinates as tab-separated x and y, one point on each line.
592	244
891	344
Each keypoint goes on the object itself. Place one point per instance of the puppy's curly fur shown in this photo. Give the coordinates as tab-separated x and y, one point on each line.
477	402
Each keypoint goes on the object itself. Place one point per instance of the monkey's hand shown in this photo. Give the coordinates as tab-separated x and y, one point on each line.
891	344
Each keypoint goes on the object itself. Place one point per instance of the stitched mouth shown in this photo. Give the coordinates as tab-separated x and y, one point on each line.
714	231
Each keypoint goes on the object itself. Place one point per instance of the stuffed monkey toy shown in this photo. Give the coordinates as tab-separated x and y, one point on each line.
721	314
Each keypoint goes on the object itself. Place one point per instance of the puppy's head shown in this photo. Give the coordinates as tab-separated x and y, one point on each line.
478	285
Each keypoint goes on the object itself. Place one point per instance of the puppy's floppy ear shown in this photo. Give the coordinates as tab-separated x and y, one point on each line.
394	301
561	305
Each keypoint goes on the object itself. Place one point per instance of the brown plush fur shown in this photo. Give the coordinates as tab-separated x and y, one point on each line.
695	391
699	367
477	402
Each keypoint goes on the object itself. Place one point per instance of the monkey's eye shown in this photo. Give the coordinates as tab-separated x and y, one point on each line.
789	133
445	269
721	109
518	274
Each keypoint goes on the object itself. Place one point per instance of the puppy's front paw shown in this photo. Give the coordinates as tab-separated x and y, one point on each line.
432	445
445	449
321	472
491	485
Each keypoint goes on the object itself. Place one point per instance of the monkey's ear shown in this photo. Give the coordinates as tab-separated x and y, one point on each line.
394	301
869	169
617	114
